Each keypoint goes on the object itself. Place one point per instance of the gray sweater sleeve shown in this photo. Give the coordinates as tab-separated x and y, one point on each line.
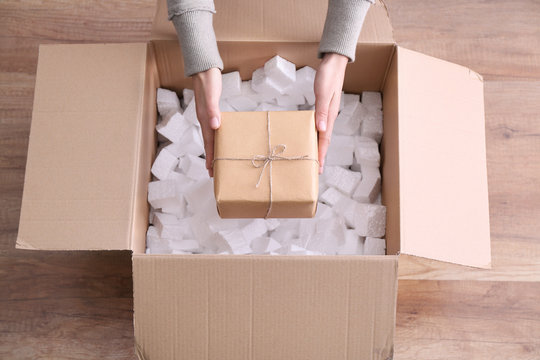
344	21
193	22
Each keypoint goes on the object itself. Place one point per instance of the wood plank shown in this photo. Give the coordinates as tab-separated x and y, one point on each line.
62	305
499	39
467	320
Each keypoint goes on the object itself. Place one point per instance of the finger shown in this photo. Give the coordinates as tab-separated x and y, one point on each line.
325	136
208	137
212	93
322	105
322	109
324	143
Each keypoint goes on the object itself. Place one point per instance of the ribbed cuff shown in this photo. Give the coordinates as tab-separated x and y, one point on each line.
178	7
342	27
198	41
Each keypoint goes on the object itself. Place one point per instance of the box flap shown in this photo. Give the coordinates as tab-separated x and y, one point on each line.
272	307
277	20
84	145
444	206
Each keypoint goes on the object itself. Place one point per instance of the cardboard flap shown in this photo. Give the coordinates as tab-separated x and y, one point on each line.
79	188
442	152
276	20
253	307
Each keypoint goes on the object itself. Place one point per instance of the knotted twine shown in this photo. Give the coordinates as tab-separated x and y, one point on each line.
265	161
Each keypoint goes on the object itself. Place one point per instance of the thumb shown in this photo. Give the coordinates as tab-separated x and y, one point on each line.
214	115
321	115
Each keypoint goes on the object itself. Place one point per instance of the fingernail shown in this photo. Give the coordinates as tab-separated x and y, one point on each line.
214	123
322	126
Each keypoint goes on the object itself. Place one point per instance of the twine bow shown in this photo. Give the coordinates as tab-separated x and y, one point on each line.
265	161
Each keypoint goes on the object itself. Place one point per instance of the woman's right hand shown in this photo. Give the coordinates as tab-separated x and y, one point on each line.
207	88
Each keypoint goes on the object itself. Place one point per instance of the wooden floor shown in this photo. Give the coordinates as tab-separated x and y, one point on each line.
79	305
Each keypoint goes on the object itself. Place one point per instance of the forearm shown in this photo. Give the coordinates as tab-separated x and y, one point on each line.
342	27
193	22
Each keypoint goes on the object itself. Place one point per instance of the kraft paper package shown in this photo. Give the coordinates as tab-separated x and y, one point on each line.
266	165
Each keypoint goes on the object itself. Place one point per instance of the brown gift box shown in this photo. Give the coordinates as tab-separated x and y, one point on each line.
265	165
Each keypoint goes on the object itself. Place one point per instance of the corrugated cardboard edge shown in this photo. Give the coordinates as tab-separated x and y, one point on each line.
145	149
364	313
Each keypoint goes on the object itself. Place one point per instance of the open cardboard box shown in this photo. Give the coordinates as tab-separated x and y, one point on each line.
92	142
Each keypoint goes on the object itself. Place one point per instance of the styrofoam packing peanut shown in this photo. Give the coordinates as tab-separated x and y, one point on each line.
261	84
190	114
184	245
236	241
242	103
165	163
349	120
173	126
160	138
353	244
370	220
180	252
341	150
191	142
331	196
329	235
274	107
167	102
305	78
310	97
372	123
264	244
372	99
255	228
224	106
163	193
154	243
366	151
342	179
230	84
280	72
374	246
169	226
369	187
355	165
194	167
342	101
272	224
346	208
178	209
187	96
290	100
199	195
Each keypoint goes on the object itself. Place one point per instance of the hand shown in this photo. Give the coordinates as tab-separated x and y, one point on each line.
328	85
207	88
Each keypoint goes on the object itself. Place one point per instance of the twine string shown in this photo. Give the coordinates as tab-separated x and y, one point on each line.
265	161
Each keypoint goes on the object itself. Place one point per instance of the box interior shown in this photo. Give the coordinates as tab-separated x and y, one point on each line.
248	56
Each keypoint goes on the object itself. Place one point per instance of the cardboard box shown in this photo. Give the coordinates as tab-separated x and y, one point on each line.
92	141
283	182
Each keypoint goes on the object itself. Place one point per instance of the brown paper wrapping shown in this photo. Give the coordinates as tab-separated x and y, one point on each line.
295	182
